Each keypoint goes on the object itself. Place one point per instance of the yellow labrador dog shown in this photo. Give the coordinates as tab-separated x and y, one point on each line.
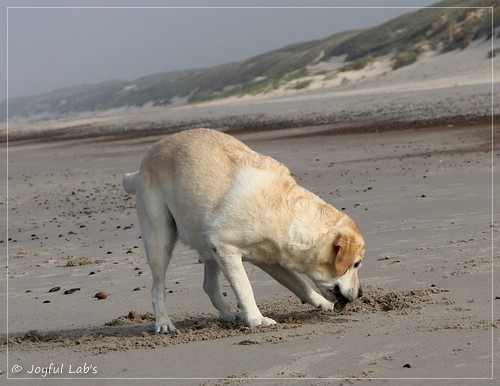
232	204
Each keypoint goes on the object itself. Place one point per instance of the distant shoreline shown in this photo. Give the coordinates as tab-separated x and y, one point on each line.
317	126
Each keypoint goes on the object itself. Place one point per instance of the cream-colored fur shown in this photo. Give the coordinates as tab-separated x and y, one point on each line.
232	204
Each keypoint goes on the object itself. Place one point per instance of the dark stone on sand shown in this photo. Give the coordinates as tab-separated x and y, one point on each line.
101	295
70	291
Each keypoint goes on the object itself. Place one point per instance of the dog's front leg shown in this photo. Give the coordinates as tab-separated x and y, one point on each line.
297	285
231	264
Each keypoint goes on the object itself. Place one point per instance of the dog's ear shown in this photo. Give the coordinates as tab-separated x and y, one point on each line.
343	248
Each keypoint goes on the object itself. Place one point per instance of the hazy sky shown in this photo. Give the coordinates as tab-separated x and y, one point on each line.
51	48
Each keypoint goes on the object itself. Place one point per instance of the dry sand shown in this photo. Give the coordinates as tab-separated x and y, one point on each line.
421	194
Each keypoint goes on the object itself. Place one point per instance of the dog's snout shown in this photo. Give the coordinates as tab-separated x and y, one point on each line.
350	296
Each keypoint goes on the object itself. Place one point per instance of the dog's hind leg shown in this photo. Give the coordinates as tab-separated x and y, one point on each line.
159	234
297	285
211	285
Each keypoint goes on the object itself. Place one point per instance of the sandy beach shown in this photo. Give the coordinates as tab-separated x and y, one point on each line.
413	168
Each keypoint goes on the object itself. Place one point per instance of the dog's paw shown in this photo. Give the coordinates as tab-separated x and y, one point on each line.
326	305
230	316
262	321
318	301
165	327
267	322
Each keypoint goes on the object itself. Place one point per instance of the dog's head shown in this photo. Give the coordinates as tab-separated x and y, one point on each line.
337	267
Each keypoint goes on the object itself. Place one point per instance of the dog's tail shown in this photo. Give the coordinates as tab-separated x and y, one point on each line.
129	182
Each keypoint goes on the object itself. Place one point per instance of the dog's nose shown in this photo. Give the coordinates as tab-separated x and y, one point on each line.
360	292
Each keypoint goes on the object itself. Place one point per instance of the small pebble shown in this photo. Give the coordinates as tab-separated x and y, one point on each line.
54	289
247	342
46	301
407	366
70	291
92	273
101	295
137	288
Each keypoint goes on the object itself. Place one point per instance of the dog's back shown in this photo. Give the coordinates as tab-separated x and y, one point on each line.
195	172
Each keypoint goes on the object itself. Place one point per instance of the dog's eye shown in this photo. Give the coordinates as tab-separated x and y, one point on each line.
356	265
